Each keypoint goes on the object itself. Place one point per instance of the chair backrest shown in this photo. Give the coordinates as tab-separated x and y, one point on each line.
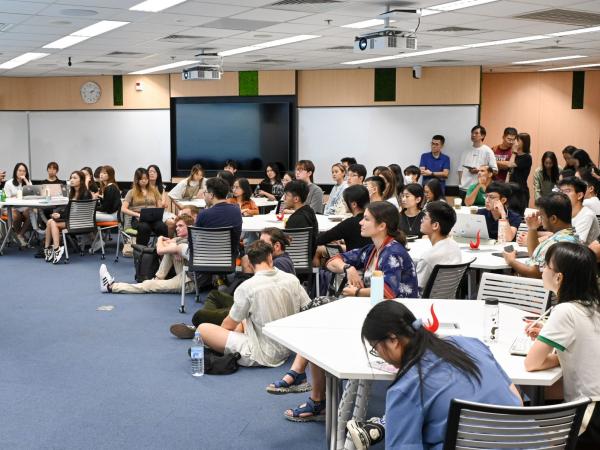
210	250
300	248
81	216
479	426
527	294
522	228
444	280
598	219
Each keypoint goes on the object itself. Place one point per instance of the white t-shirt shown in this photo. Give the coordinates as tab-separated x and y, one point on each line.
445	251
475	157
177	192
11	190
574	331
586	225
593	203
269	295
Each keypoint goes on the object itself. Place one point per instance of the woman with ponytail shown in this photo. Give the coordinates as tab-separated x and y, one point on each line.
386	254
431	372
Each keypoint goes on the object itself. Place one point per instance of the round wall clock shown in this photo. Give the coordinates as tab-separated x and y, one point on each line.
90	92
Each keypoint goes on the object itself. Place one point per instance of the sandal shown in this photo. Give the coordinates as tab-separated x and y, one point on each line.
315	411
299	384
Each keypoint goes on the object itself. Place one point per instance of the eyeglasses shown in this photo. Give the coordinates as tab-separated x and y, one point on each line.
491	197
374	352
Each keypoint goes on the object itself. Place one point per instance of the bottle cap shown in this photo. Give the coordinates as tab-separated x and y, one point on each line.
491	301
377	273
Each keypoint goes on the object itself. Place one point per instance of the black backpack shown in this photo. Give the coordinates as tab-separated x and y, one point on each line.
145	261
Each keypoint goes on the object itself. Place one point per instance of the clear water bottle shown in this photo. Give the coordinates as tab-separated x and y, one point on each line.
503	227
197	355
491	321
19	192
376	287
48	198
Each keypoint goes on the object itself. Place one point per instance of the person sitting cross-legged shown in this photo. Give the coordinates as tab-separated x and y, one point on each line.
218	303
173	251
269	295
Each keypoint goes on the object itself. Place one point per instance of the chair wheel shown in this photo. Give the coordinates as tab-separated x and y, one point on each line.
182	310
197	299
102	257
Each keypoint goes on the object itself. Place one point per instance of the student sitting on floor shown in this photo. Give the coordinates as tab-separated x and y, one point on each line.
554	214
437	223
269	295
569	338
496	209
386	254
173	251
432	372
218	303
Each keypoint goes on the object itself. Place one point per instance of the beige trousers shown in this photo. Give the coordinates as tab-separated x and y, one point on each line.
161	285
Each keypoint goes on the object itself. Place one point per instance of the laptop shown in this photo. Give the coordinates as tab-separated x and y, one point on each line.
467	226
151	214
32	191
55	190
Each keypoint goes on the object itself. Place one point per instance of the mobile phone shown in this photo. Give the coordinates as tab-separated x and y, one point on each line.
530	318
509	249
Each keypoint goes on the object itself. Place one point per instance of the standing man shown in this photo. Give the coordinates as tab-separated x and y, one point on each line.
479	155
434	164
504	151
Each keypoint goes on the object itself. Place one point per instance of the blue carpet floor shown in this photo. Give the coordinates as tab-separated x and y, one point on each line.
72	377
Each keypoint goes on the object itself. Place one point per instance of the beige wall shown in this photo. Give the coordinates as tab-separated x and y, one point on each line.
354	87
540	104
63	93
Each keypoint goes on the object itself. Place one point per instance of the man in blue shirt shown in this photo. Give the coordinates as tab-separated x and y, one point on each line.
434	164
496	209
219	213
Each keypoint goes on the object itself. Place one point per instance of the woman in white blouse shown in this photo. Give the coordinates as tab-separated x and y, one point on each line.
22	217
335	204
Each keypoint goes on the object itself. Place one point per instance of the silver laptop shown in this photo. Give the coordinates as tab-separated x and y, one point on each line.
32	191
55	190
467	226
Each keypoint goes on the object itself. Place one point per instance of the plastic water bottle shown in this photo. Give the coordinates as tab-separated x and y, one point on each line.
491	321
197	354
503	226
2	195
48	195
19	192
376	287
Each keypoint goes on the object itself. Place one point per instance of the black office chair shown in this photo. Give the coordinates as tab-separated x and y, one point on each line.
444	280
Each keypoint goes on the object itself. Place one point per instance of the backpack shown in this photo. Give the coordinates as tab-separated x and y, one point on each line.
145	261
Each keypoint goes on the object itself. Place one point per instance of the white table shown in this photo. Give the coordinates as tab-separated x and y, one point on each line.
261	202
11	203
334	344
260	222
484	258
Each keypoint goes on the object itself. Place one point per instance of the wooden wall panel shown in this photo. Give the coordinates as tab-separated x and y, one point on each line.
438	86
63	93
277	82
227	85
354	87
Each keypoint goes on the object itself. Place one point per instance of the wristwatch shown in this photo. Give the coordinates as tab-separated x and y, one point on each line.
346	267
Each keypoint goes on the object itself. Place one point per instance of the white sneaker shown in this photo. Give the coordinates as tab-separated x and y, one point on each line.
48	254
58	254
106	279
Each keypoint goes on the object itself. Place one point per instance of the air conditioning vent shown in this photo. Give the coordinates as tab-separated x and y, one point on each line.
452	30
563	16
314	6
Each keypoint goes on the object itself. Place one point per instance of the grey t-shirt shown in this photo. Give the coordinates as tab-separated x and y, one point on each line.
269	295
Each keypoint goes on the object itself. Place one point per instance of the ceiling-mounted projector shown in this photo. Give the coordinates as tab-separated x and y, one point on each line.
202	73
388	40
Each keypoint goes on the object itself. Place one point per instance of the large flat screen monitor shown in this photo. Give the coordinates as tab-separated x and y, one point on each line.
252	131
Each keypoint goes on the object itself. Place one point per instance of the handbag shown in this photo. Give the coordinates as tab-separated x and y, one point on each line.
219	364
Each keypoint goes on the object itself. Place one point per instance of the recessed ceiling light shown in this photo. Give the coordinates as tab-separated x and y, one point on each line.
558	58
23	59
85	33
582	66
366	23
155	5
284	41
164	67
452	6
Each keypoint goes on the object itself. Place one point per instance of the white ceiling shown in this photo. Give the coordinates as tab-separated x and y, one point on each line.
226	24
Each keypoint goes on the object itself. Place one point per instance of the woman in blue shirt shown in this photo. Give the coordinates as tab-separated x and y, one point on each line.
432	372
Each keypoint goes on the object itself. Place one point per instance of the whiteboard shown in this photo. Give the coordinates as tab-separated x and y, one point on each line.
125	140
14	137
382	135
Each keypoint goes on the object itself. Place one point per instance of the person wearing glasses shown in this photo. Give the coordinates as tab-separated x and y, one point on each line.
432	371
435	164
496	209
304	172
356	175
569	338
241	197
583	218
